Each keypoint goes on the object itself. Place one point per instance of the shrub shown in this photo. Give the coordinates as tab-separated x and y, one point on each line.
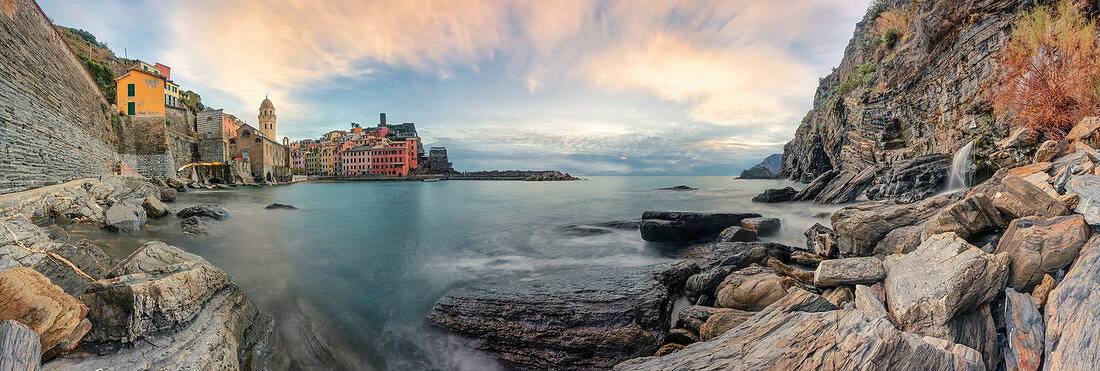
865	74
1050	70
890	26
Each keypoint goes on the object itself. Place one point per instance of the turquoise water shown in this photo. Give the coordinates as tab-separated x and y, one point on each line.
350	275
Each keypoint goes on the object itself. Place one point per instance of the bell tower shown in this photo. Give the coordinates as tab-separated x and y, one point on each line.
267	118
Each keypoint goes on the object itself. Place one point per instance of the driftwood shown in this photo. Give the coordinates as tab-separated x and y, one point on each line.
20	348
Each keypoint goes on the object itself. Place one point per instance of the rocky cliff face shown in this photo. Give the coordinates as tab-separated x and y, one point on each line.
921	91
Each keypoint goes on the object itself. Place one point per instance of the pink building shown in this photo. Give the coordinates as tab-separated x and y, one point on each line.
396	158
356	161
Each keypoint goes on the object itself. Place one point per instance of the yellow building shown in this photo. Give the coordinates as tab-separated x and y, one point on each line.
172	94
139	92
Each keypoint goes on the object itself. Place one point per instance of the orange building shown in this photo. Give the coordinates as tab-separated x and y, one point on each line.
140	92
395	159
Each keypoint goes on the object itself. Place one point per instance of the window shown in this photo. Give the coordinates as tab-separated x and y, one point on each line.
130	106
129	90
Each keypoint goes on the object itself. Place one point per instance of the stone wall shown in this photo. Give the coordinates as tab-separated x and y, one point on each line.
54	121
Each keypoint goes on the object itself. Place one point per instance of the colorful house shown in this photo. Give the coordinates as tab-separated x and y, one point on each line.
395	159
140	92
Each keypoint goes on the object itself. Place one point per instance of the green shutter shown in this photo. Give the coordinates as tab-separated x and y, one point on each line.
130	108
130	90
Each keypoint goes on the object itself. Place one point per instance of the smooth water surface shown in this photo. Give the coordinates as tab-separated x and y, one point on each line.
351	274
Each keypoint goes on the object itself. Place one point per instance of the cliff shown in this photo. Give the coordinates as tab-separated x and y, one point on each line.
911	83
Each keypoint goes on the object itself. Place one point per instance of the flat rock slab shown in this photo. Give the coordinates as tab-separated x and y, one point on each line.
19	347
1041	246
804	331
670	226
1024	331
589	318
849	271
1088	188
858	228
1073	315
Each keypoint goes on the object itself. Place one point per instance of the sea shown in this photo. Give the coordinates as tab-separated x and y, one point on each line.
350	275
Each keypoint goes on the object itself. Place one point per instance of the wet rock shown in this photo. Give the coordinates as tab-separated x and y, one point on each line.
84	256
806	331
677	188
277	205
912	180
28	246
1020	198
739	254
858	228
750	289
585	318
1024	331
806	259
1073	315
942	280
205	211
681	336
815	187
737	234
196	225
838	295
900	241
1042	291
775	195
721	321
668	349
20	347
154	207
706	282
168	194
693	317
821	240
849	271
665	226
1087	187
551	176
968	217
846	187
1041	246
28	297
125	217
762	226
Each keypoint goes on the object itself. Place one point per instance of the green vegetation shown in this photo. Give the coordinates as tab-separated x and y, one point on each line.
85	36
192	101
865	74
102	75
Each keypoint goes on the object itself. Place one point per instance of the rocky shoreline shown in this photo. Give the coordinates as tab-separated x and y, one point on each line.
998	276
160	307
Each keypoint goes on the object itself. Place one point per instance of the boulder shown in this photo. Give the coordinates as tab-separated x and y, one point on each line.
912	180
821	241
750	289
1047	151
124	217
1072	315
1020	137
816	186
196	225
806	259
693	317
20	347
1042	291
838	295
84	256
28	246
668	349
1041	246
849	271
706	282
1024	332
1020	198
900	241
805	331
28	297
721	321
681	336
758	172
154	207
168	194
866	300
737	234
1087	187
775	195
739	254
968	217
280	206
585	318
762	226
785	270
1084	130
859	227
205	211
846	187
665	226
944	279
1076	163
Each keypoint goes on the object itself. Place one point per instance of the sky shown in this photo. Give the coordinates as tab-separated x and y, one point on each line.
628	87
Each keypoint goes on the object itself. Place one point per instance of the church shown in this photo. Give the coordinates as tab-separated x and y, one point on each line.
267	158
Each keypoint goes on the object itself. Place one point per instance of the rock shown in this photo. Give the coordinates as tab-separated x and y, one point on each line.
280	206
838	295
866	300
737	234
1076	163
1069	201
681	336
168	194
820	240
84	256
178	184
28	246
816	186
721	321
775	195
196	225
586	318
1021	198
912	180
205	211
693	317
125	217
859	227
706	282
665	226
900	241
762	226
154	208
1020	137
28	297
846	187
1047	151
1072	315
550	176
804	331
942	280
1041	246
20	347
1042	291
668	349
805	258
849	271
677	188
1087	187
1024	349
739	254
750	289
1084	130
968	217
799	275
